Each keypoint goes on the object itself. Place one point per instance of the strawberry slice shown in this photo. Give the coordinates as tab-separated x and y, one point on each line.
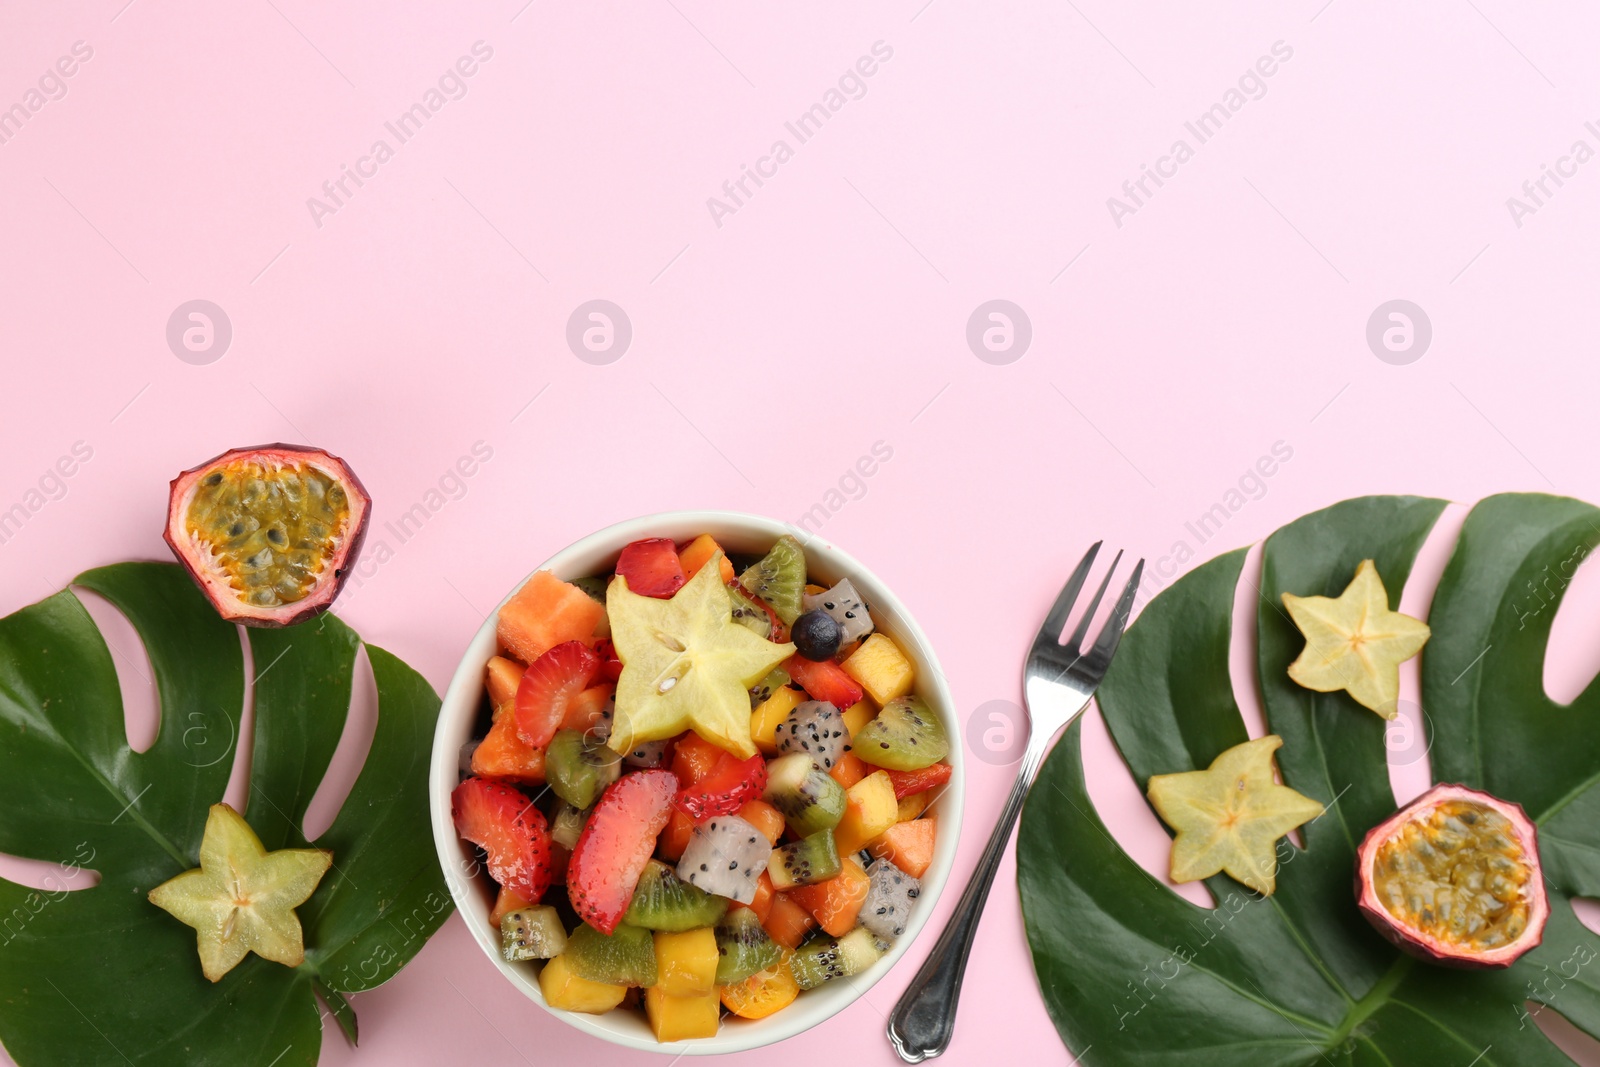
824	681
910	783
548	688
652	567
507	826
615	845
732	783
610	665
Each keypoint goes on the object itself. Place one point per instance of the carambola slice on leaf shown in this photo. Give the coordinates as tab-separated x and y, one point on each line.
1229	816
242	898
1354	642
686	664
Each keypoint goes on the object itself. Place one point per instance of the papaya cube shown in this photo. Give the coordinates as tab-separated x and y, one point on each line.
686	963
836	902
682	1018
562	988
544	613
504	904
765	719
870	809
881	669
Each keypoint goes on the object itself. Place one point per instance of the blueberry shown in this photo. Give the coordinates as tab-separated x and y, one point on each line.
816	635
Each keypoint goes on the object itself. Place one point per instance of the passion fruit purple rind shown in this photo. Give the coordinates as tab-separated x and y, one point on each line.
1454	878
269	533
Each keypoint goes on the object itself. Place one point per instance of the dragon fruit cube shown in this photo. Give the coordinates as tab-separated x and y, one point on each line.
816	728
725	856
891	895
847	608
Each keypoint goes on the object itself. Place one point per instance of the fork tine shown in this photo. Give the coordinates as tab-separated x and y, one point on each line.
1106	644
1056	621
1075	642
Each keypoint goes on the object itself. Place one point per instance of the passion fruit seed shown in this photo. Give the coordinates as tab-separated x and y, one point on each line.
273	531
1457	874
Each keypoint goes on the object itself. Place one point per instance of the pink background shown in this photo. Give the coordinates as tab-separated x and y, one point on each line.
827	313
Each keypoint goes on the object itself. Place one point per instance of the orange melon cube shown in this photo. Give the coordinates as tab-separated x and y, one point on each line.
501	678
698	553
907	845
502	754
545	612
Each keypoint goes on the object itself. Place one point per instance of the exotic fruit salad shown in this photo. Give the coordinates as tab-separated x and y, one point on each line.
269	533
1454	878
699	792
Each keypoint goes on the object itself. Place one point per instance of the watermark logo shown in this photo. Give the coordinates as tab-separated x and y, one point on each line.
199	332
999	332
997	732
1399	332
1407	736
599	332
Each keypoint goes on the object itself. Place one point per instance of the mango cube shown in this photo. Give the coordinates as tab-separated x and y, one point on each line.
682	1018
765	719
870	809
686	963
858	715
565	990
881	668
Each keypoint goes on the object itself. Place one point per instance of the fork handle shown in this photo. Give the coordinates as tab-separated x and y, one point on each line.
925	1017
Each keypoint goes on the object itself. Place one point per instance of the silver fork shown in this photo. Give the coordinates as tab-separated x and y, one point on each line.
1058	681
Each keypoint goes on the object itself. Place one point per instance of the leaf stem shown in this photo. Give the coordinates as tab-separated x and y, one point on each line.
1376	997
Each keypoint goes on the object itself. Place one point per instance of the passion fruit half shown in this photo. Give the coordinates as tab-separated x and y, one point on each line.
268	533
1454	878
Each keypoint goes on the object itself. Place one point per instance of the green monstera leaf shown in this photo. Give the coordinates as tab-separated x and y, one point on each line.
100	976
1143	977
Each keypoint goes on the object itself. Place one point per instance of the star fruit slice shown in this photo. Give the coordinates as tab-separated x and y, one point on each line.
686	664
242	898
1354	642
1229	816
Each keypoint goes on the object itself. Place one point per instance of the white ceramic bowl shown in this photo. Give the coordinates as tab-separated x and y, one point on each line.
597	553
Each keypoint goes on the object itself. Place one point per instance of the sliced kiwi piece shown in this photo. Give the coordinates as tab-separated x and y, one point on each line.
905	736
577	769
663	901
626	957
743	947
567	824
822	958
594	585
762	691
747	613
807	796
779	578
532	933
804	862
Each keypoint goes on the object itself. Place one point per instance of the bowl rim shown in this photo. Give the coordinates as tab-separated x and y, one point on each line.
459	711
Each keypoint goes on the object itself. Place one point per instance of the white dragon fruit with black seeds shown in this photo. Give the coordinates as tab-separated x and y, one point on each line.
847	608
890	897
725	856
816	728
